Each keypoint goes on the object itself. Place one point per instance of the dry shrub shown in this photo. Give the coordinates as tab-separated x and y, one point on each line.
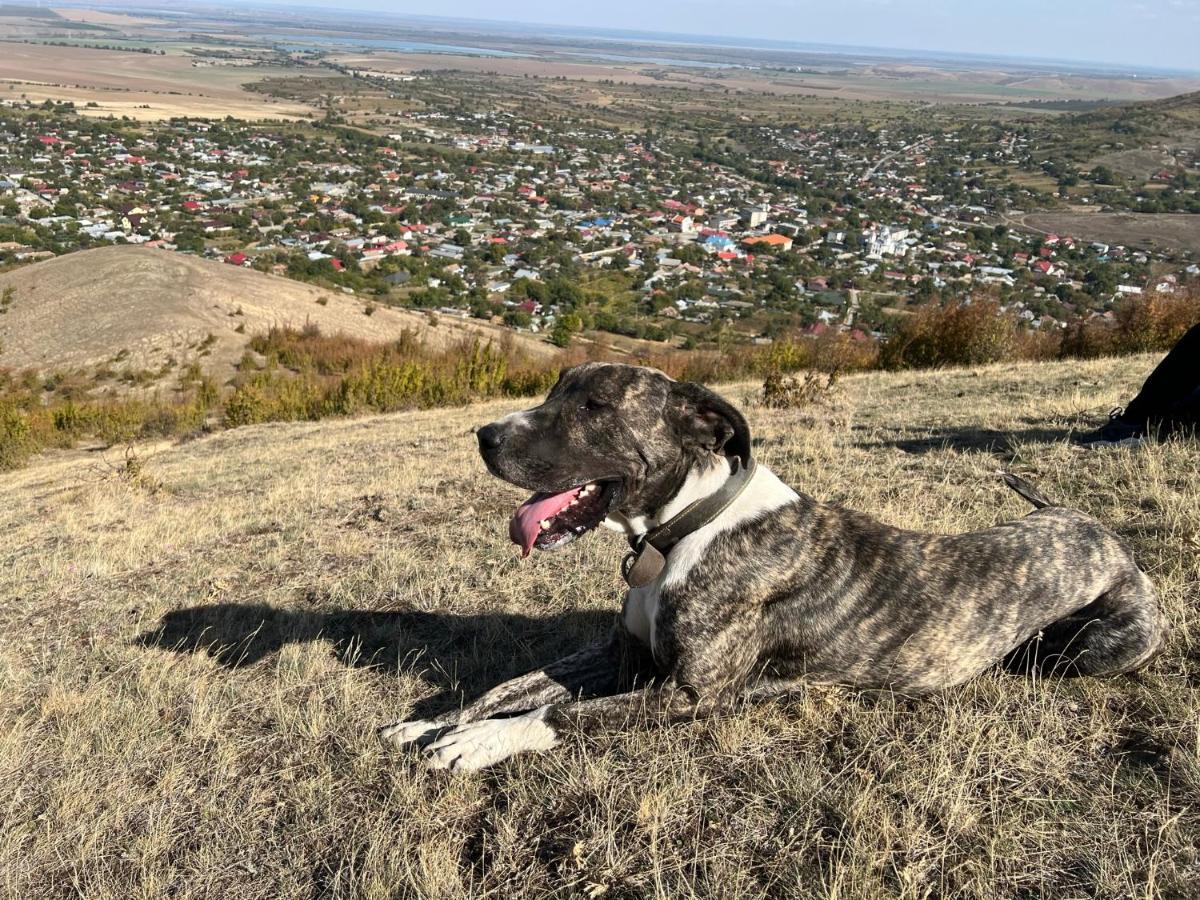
29	428
967	332
29	423
837	351
781	391
307	350
701	365
1154	322
829	352
975	331
306	376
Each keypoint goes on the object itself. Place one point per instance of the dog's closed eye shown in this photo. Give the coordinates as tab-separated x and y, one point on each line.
594	405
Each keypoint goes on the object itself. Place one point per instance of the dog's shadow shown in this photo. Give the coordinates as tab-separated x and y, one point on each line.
969	440
460	654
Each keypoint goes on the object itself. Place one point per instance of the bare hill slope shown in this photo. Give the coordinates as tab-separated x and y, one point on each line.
142	307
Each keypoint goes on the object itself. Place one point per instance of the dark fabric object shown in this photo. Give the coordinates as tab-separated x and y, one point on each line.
1170	398
1116	429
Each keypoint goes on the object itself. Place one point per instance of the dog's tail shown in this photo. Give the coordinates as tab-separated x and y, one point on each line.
1027	490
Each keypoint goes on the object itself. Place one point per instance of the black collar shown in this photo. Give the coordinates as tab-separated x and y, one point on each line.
648	552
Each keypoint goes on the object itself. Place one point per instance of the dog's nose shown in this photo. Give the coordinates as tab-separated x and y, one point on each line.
490	437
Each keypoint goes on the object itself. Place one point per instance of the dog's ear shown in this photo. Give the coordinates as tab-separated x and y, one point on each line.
708	421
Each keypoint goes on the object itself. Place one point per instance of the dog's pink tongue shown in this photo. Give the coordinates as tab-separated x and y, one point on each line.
526	522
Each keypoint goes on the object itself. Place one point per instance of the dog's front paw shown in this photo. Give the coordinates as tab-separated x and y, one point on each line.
478	745
419	731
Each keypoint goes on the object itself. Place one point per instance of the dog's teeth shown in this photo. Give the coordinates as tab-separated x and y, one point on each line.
545	524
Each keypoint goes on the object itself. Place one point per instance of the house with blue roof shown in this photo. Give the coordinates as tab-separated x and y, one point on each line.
718	242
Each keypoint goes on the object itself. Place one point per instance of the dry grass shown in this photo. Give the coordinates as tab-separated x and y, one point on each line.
197	648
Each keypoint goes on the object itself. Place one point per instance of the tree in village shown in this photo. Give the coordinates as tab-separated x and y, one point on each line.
565	327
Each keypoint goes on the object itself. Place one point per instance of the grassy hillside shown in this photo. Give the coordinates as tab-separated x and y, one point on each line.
1167	116
148	311
197	644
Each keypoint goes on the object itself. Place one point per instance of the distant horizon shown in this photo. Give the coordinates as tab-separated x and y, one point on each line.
1173	49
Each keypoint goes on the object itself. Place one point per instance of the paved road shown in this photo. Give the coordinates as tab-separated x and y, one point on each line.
890	156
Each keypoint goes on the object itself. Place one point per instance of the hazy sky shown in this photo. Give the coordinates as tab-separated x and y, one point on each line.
1164	33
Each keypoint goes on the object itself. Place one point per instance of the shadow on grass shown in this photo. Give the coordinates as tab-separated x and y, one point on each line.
458	653
968	440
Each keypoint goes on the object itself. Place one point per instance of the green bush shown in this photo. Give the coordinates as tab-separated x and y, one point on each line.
382	387
529	382
16	444
274	397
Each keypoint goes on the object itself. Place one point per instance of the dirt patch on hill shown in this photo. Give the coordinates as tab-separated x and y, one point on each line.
1167	231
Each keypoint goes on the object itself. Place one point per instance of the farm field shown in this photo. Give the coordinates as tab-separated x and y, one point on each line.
142	86
880	83
196	651
102	17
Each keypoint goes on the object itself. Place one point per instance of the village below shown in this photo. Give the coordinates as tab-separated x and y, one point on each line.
461	193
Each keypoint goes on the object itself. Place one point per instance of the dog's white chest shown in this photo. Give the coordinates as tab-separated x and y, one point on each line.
640	611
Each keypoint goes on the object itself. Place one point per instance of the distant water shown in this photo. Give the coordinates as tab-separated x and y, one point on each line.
657	60
299	42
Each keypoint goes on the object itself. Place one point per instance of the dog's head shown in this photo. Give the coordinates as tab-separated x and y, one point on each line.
608	439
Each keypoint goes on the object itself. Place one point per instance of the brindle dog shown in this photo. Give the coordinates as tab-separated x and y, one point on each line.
778	588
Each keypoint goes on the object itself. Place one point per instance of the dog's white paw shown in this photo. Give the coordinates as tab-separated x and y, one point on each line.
417	731
477	745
